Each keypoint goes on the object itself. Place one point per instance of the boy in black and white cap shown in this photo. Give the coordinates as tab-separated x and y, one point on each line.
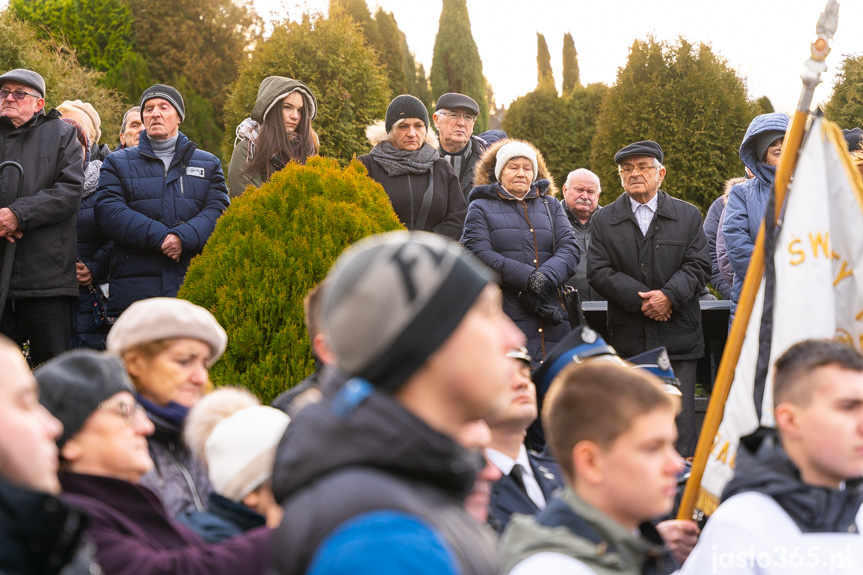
417	322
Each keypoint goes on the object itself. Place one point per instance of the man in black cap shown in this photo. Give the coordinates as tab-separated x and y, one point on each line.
43	286
454	119
649	259
159	202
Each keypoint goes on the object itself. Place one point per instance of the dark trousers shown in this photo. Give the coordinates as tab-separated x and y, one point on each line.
46	322
684	370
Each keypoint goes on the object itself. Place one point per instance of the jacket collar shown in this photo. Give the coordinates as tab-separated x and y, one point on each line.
621	209
185	147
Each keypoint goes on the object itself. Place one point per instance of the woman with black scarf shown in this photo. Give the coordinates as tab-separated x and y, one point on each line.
422	187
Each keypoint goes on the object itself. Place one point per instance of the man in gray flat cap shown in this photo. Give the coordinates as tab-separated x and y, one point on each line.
43	285
454	118
649	259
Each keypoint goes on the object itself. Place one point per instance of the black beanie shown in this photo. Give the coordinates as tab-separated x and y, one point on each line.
73	384
763	140
166	92
405	106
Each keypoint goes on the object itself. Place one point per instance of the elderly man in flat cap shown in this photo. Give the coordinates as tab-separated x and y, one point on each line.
454	119
649	259
43	287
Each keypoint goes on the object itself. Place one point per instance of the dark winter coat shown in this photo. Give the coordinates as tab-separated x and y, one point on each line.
764	467
358	452
94	251
448	206
507	497
52	159
747	202
134	534
671	257
139	203
711	227
466	173
178	477
516	238
41	534
582	238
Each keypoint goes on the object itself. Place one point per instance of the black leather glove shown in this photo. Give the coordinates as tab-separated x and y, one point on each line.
540	285
552	314
530	303
546	312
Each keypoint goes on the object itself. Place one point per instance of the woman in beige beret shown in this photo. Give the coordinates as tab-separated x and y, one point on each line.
168	346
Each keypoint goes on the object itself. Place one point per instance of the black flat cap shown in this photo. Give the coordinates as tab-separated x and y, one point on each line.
453	101
642	148
853	138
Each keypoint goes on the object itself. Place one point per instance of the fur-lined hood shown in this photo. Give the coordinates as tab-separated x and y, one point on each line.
484	170
377	133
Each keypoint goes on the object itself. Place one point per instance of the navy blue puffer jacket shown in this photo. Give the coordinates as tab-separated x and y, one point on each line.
515	238
139	203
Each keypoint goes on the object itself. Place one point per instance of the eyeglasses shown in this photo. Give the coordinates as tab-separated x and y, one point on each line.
17	94
627	170
128	411
468	118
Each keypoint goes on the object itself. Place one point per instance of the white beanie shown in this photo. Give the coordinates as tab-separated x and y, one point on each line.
512	150
241	450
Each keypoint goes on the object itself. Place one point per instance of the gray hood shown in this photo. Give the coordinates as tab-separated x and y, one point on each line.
274	88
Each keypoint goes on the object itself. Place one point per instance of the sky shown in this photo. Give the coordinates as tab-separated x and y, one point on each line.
764	41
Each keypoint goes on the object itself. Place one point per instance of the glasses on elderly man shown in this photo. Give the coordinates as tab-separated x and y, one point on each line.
459	116
128	411
628	169
17	94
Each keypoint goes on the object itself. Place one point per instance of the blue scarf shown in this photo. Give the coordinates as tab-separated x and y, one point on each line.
172	413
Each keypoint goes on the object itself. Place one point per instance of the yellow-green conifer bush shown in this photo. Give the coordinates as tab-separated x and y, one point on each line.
269	248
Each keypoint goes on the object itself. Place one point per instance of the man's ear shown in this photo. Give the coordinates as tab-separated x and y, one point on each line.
588	461
787	420
40	104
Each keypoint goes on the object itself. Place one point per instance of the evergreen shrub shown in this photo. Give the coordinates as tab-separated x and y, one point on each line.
268	250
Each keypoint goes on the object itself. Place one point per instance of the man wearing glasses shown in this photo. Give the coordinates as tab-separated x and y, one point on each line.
43	285
454	118
649	258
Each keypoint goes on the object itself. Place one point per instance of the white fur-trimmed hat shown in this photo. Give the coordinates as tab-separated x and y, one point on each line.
159	318
241	450
514	149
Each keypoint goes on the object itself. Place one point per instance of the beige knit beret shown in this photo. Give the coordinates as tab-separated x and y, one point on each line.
160	318
87	109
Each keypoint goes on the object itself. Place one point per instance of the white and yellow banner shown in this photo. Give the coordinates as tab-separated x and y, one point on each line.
817	290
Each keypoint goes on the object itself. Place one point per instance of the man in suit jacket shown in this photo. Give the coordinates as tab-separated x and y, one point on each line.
528	478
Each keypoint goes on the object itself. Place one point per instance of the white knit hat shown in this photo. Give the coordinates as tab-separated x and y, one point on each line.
514	149
159	318
241	450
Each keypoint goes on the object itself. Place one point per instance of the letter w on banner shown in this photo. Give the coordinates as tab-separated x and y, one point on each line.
812	288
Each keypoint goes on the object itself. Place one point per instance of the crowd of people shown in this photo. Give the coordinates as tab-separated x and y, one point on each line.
460	419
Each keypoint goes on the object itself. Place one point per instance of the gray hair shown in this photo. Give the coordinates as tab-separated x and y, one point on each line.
584	171
126	117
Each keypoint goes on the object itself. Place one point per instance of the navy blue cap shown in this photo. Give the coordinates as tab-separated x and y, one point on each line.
853	138
580	344
656	362
642	148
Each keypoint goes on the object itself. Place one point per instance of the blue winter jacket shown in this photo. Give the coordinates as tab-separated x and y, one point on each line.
139	203
747	202
515	238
